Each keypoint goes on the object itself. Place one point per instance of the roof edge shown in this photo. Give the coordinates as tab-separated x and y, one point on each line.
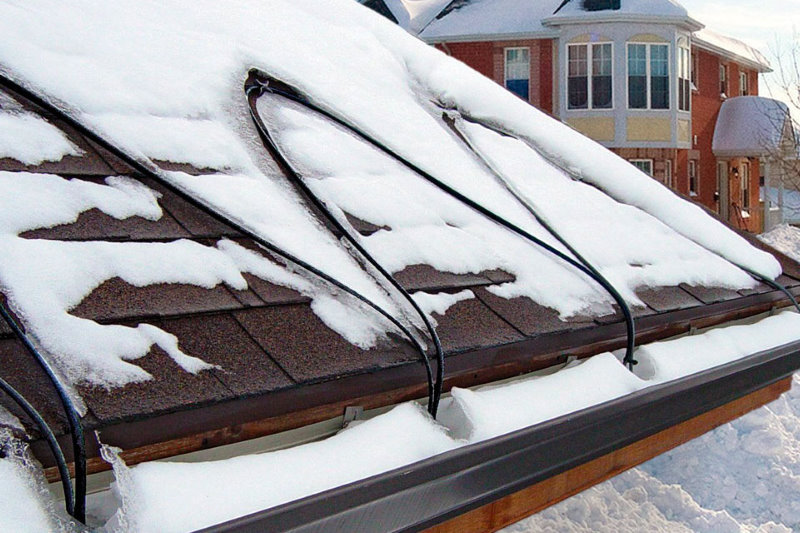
487	37
709	47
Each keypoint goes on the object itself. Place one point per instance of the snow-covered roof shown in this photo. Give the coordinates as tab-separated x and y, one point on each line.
731	48
639	10
139	265
414	15
492	19
752	126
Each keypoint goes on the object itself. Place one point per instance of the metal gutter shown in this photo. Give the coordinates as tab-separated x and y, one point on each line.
432	491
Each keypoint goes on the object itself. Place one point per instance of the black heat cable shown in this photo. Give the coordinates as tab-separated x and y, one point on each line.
630	325
209	209
556	164
50	438
254	89
75	500
279	87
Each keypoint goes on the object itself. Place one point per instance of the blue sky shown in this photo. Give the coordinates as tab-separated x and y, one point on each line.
760	23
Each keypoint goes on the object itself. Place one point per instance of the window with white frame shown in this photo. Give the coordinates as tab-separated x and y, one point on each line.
518	71
744	88
695	72
645	165
693	181
744	176
723	79
684	75
589	76
648	76
668	173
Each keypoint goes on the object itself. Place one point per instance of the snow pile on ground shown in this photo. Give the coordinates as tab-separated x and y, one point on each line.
784	238
742	477
405	435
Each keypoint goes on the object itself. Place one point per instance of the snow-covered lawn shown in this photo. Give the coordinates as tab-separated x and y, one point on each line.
744	476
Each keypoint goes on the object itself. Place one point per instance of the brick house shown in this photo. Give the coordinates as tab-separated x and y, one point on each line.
644	79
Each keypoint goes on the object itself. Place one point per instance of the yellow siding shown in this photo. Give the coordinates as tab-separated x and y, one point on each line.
684	131
649	129
597	128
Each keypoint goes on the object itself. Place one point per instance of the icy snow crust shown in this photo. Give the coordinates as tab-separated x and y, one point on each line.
163	80
407	434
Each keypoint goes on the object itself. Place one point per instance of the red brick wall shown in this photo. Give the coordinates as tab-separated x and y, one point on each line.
488	58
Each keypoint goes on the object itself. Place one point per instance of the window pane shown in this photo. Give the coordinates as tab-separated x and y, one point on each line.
578	92
518	71
637	60
659	77
637	92
645	165
578	81
601	76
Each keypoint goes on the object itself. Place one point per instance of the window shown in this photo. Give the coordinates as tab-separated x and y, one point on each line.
589	76
745	185
744	89
684	78
695	71
723	80
693	185
645	165
518	71
648	76
722	176
668	173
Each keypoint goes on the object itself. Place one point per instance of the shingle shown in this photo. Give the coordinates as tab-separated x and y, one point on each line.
117	299
220	340
362	226
788	281
498	276
617	316
96	225
308	350
471	324
710	295
427	278
5	330
273	294
21	371
528	316
664	299
760	288
171	388
195	220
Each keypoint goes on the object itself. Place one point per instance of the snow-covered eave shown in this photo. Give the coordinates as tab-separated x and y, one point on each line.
459	481
758	66
489	37
600	17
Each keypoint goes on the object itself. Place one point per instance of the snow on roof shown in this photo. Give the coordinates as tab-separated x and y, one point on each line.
752	126
488	18
650	8
164	82
733	48
414	15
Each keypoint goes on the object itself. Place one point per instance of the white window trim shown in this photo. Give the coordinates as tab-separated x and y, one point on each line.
668	173
648	72
693	164
589	69
648	161
505	67
724	72
678	78
744	178
744	84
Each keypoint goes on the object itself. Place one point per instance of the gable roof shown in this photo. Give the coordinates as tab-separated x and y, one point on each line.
752	126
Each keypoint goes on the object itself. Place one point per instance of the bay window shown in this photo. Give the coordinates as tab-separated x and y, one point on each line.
589	76
684	78
648	76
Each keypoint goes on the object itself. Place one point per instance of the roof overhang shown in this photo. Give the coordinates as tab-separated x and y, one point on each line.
430	492
727	54
482	37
